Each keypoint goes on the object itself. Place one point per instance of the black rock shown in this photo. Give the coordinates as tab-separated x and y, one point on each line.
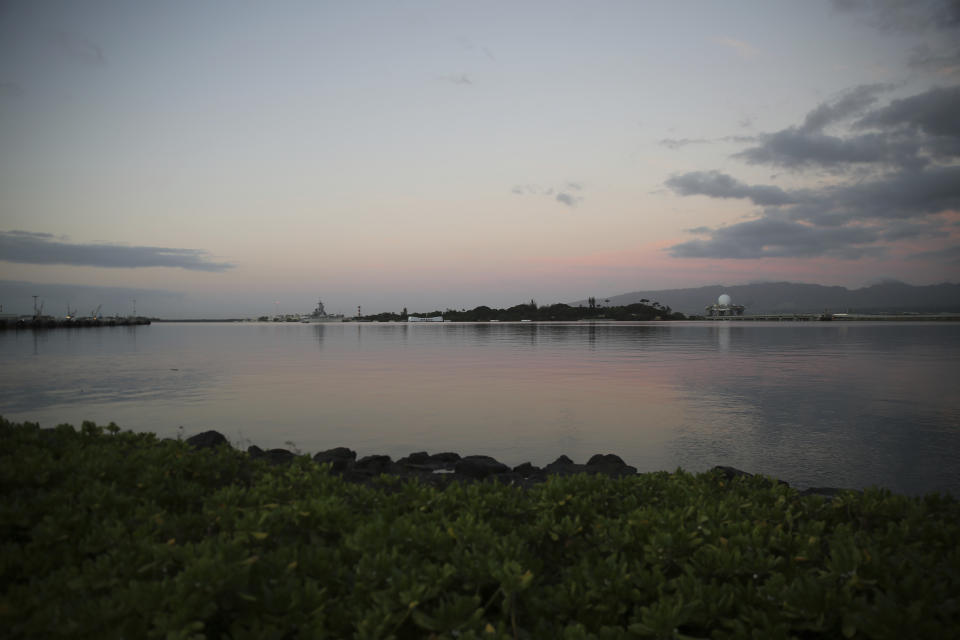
207	440
605	459
730	473
479	467
374	464
526	469
255	452
444	458
419	457
564	466
340	458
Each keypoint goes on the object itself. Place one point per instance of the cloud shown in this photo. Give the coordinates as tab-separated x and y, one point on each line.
43	248
850	103
558	194
679	143
79	49
910	149
948	255
771	238
743	49
937	21
567	199
934	112
905	16
795	148
458	78
906	134
945	61
719	185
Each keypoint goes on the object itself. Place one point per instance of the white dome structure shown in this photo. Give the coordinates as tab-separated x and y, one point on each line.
724	308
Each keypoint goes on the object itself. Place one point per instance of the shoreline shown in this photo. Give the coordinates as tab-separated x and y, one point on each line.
442	469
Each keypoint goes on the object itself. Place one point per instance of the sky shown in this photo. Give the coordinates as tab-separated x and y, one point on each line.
212	158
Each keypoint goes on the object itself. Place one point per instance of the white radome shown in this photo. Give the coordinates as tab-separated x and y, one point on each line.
724	300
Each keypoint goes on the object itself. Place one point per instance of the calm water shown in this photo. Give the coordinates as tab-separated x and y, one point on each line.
837	404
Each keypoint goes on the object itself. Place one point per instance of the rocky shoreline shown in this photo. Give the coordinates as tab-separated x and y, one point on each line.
442	469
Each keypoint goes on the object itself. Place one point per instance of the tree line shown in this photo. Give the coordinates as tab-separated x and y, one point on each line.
646	310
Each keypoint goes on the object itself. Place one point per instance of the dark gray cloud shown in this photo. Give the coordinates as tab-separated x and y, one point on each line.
719	185
896	170
795	148
908	133
772	238
945	61
935	112
937	21
948	255
849	104
44	248
905	16
908	230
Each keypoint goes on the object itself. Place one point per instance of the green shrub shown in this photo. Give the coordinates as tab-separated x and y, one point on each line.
117	534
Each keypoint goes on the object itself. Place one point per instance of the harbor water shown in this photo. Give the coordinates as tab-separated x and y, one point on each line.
842	404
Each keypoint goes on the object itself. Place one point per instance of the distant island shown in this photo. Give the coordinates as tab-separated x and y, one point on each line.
591	310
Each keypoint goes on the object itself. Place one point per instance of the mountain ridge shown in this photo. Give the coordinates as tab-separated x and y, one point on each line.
796	297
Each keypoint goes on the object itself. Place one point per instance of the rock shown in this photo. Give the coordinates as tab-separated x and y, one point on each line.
374	464
419	457
447	458
610	465
255	452
479	467
207	440
526	469
730	473
564	466
340	458
605	459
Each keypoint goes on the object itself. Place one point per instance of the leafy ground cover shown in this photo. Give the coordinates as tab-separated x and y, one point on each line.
115	534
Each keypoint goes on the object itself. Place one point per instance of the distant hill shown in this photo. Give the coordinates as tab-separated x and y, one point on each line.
793	297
